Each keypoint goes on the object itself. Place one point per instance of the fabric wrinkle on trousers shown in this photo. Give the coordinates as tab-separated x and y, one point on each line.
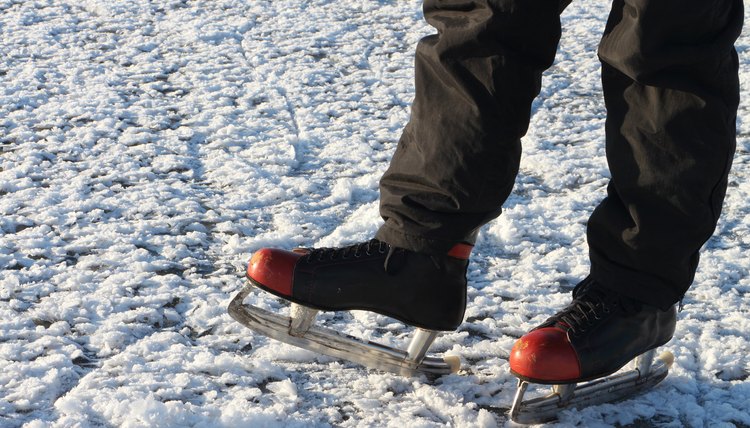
671	88
669	76
458	157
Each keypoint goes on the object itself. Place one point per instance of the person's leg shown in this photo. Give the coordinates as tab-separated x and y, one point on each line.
458	157
669	74
454	166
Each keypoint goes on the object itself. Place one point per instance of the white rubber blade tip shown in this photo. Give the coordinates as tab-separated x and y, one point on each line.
667	358
454	362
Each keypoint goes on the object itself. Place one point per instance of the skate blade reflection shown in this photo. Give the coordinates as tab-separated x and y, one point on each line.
300	331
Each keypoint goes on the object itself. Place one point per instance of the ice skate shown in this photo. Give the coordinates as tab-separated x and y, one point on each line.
578	350
424	291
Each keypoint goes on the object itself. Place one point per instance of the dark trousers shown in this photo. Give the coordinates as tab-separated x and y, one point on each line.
669	75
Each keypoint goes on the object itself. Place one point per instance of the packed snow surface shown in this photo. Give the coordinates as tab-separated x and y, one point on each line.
148	148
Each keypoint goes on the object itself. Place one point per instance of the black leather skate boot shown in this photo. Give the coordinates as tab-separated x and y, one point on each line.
594	336
421	290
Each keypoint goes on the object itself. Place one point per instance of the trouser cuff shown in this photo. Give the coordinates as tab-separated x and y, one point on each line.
637	286
419	244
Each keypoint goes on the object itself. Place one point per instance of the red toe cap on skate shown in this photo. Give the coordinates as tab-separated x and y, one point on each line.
274	269
545	356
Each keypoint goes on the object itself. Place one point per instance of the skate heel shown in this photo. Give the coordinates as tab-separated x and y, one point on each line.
301	318
420	344
643	362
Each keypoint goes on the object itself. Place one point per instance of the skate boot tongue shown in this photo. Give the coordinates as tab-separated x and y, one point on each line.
592	302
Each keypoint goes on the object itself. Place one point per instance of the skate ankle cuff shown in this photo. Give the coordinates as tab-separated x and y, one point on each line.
460	251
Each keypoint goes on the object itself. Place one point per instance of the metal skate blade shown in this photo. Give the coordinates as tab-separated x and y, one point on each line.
336	344
605	390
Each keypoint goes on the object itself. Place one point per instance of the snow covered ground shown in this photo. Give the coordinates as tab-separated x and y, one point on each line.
147	148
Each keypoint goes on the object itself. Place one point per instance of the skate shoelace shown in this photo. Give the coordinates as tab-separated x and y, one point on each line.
592	306
368	248
581	314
